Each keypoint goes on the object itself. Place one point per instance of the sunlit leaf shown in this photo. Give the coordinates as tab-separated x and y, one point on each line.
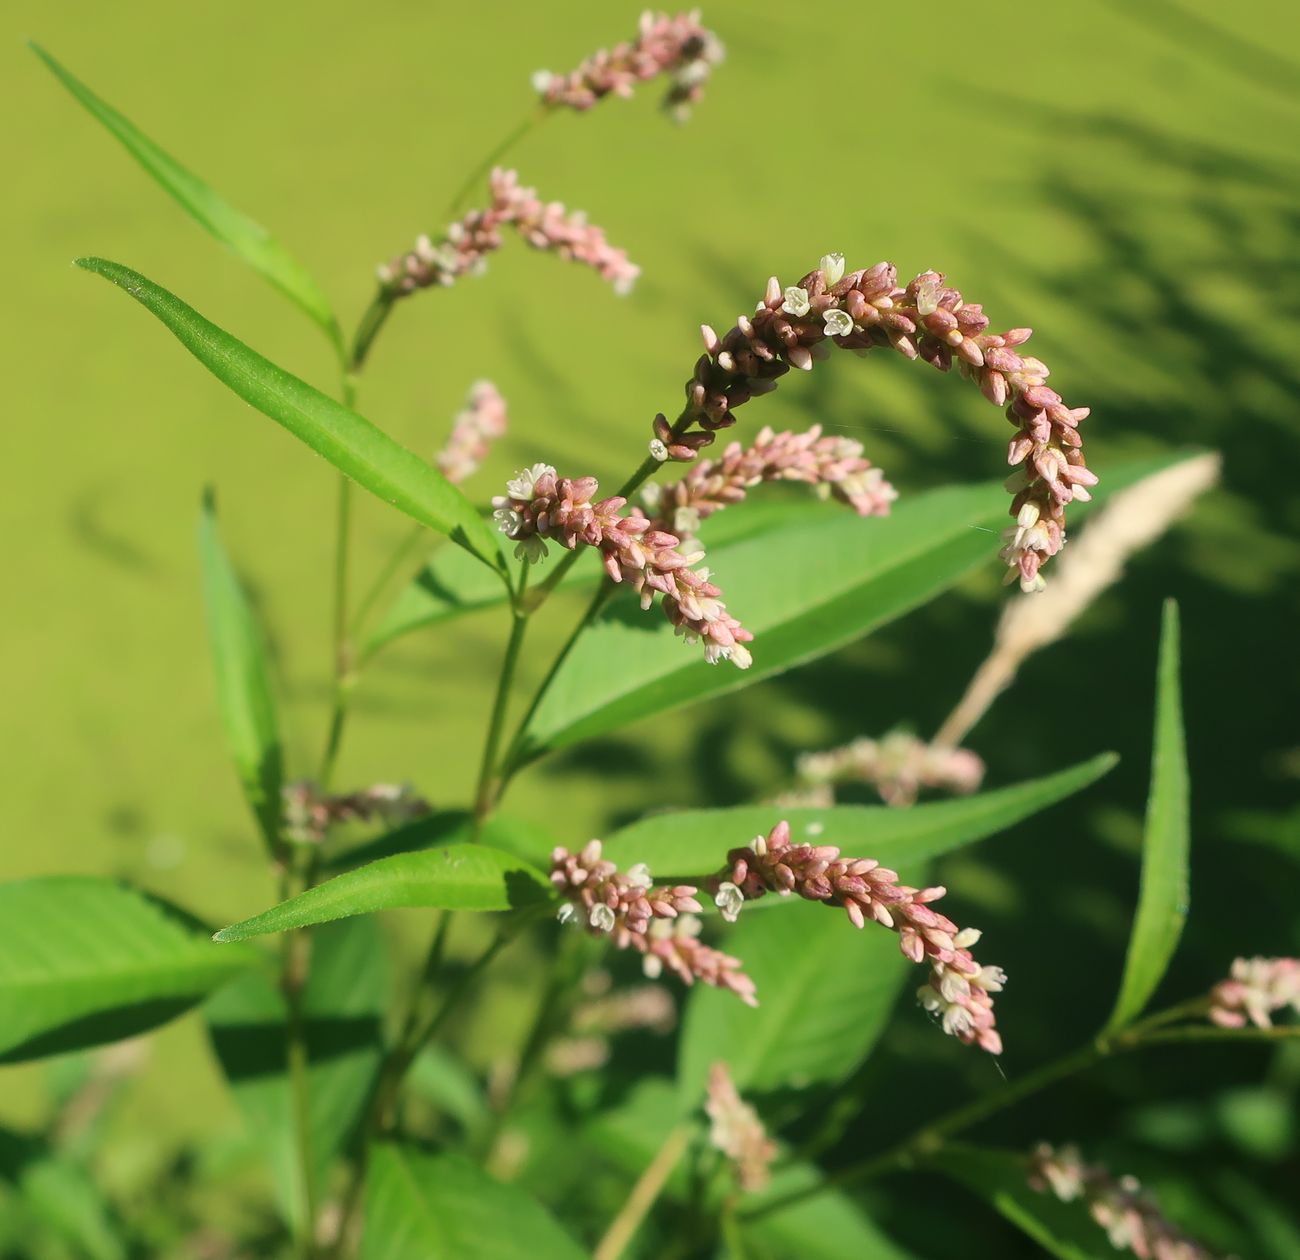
457	877
348	441
243	680
343	1006
442	1207
695	842
84	961
1162	900
248	240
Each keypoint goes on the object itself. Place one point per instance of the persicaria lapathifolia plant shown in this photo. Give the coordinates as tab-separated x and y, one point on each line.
385	1122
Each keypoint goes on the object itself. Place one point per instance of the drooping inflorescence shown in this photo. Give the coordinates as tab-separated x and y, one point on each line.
539	506
831	465
309	814
466	244
794	326
479	423
1256	989
898	766
736	1130
675	45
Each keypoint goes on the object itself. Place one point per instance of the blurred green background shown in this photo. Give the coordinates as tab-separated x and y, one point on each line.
1122	177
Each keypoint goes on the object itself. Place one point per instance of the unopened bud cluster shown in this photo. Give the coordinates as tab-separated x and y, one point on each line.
898	766
309	814
792	327
539	505
1256	989
1130	1215
832	465
959	991
480	423
677	46
545	225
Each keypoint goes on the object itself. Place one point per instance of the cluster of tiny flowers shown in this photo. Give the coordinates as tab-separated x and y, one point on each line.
1130	1216
959	991
476	427
1254	990
736	1131
794	326
673	45
309	815
538	505
898	766
832	465
654	921
604	1014
544	225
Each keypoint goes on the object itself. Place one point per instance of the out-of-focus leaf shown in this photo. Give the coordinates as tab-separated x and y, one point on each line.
450	585
442	1207
696	841
828	1226
804	590
999	1178
458	877
348	441
343	1008
825	991
248	240
1162	900
243	680
84	961
57	1196
445	1082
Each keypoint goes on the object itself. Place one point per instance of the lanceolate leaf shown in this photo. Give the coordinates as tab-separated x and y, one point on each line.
243	682
1162	901
803	590
458	877
999	1178
442	1207
343	1008
248	240
348	441
825	990
695	842
85	961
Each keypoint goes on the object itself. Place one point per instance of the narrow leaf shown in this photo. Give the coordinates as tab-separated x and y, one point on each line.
442	1207
85	961
999	1178
695	842
248	240
458	877
343	1007
243	680
348	441
1163	897
825	992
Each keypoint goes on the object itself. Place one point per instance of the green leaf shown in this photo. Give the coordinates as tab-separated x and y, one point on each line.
828	1226
825	991
343	1007
247	239
442	1207
348	441
85	961
695	842
522	837
1162	900
458	877
243	680
998	1177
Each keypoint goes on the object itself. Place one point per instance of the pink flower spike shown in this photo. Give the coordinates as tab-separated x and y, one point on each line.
476	427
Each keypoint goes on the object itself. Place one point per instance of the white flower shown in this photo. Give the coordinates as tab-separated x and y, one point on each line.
838	323
541	80
796	301
686	520
522	485
966	938
927	296
601	917
532	548
658	450
652	966
832	268
639	876
729	900
566	912
508	521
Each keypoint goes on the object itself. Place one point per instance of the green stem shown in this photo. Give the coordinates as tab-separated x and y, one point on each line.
395	562
344	674
643	1195
494	155
488	778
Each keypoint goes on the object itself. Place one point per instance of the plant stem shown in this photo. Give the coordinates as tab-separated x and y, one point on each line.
494	155
643	1195
485	796
399	557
